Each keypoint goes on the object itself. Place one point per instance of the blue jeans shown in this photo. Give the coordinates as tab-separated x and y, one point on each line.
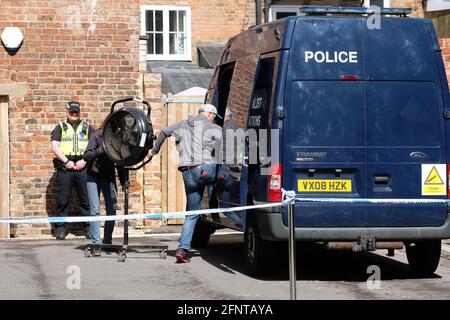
227	182
194	185
108	188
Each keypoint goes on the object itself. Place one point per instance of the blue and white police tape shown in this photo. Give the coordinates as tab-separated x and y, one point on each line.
168	215
287	196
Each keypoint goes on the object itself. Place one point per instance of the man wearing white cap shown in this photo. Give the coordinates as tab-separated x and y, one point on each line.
196	140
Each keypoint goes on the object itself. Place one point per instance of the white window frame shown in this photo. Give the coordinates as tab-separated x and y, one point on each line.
273	10
166	55
386	3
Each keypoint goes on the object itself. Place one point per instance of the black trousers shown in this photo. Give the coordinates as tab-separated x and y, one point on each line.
67	181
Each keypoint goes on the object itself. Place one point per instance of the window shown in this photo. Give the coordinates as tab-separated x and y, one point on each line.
280	12
169	32
259	111
378	3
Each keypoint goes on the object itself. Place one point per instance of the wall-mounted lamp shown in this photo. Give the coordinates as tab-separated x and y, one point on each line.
12	38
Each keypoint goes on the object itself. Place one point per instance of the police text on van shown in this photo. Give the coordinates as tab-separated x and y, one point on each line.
332	57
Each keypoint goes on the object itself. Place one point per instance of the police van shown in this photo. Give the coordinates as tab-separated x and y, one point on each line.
359	112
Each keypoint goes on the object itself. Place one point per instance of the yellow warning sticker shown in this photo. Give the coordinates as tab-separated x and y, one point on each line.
434	179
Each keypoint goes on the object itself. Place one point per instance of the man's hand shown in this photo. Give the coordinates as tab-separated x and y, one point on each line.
149	155
100	149
70	165
80	165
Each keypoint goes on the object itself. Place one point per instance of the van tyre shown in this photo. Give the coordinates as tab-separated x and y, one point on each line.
258	253
423	256
202	233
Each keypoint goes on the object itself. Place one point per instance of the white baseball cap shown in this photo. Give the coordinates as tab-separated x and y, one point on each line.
209	108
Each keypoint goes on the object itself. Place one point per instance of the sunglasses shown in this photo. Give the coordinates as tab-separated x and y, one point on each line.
74	112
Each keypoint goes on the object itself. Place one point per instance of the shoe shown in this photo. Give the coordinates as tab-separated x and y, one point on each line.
60	235
88	234
182	256
96	251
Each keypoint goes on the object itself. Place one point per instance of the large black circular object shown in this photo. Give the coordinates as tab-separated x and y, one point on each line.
127	136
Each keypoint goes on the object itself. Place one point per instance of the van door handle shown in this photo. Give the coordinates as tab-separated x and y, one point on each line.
380	179
446	115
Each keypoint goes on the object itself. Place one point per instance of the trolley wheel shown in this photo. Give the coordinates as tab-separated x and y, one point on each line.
121	257
87	252
163	254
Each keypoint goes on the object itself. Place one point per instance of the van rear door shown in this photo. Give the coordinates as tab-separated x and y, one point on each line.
405	123
364	119
324	147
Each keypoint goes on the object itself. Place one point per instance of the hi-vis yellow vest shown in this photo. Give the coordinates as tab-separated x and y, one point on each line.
74	143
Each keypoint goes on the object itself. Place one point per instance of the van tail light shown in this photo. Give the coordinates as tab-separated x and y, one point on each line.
274	193
448	180
349	77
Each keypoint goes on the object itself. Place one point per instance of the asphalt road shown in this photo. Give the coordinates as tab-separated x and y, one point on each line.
50	269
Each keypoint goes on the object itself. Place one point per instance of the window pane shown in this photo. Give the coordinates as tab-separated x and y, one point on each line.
378	3
172	21
181	43
159	43
177	43
281	15
181	20
149	20
159	20
150	47
172	43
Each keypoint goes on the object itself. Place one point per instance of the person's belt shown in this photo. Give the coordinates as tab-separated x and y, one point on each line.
184	168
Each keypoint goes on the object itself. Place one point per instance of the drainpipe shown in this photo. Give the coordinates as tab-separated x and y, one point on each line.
266	10
258	12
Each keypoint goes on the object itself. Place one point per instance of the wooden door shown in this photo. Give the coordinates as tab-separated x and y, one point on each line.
179	108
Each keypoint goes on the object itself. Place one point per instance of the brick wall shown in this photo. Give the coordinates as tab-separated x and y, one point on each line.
415	5
445	46
214	21
72	50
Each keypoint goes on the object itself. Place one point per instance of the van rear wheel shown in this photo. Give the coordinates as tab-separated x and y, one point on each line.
258	252
423	256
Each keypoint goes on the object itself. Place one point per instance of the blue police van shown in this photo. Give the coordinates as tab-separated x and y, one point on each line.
341	109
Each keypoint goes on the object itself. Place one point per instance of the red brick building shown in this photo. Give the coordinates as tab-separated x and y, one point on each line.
84	50
89	50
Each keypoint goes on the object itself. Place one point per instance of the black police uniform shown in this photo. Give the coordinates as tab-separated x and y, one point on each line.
68	179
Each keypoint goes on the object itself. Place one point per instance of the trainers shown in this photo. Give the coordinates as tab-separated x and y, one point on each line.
182	256
88	234
96	251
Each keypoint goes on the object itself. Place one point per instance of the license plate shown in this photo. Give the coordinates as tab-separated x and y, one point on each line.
324	185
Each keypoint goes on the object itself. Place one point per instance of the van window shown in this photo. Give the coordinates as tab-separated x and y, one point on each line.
259	106
225	75
260	109
235	89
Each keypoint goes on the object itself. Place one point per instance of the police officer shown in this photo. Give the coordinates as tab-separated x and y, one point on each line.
69	140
